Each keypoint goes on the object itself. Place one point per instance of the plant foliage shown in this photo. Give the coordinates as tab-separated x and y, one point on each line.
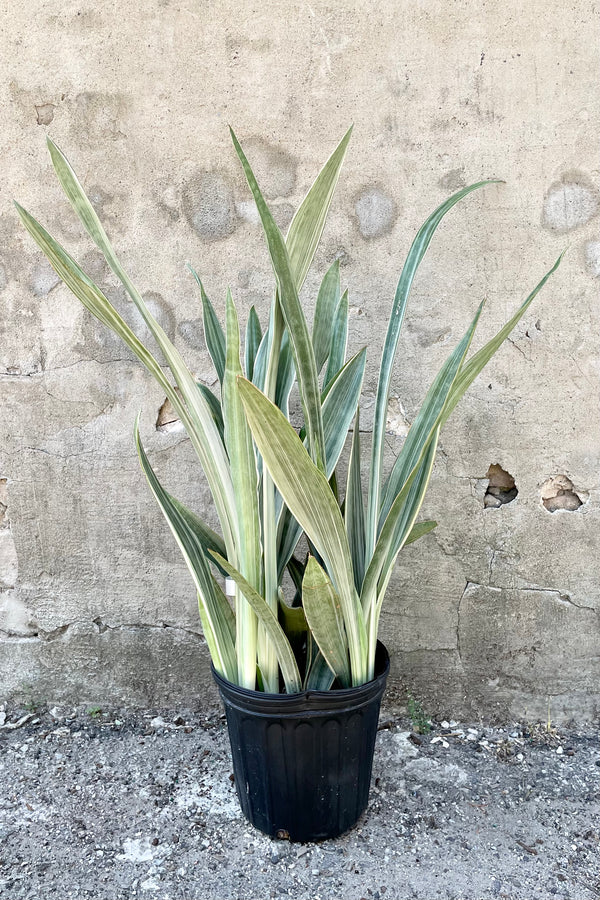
270	483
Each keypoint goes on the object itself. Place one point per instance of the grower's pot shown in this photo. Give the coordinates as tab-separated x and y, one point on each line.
302	762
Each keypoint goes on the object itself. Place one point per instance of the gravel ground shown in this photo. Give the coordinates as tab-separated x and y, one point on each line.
97	804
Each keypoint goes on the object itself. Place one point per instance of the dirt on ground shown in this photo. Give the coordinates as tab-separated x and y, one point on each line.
113	804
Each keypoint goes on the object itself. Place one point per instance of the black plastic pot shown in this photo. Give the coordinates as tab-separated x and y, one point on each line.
302	762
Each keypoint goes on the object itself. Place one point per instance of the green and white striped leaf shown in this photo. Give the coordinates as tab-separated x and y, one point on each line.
339	407
284	652
215	408
328	299
339	341
472	367
427	420
213	332
194	411
354	510
419	530
244	476
304	358
319	676
415	255
394	533
209	539
307	493
414	487
324	616
253	339
403	516
215	610
307	225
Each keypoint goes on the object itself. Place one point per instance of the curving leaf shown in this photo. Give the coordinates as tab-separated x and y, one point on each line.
213	332
304	358
215	610
328	299
415	255
253	339
354	510
324	616
215	408
307	225
427	420
339	341
339	407
472	367
419	530
244	476
194	412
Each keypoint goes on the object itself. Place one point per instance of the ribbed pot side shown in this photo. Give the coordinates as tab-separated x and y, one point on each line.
302	762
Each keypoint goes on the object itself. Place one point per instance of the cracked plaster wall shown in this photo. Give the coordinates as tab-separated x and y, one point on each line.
496	612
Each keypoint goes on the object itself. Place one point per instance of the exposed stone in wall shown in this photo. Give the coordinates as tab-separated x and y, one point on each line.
501	487
167	420
396	421
559	492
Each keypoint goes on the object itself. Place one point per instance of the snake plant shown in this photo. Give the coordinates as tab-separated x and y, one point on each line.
271	484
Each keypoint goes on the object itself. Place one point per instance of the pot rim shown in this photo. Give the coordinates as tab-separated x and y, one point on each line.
261	702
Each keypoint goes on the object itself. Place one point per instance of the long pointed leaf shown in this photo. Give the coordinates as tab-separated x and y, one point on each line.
319	676
307	225
339	407
427	419
213	331
99	306
253	339
306	492
328	299
304	358
244	477
354	511
324	616
415	255
472	367
339	341
212	601
389	534
419	530
209	539
396	529
200	425
215	408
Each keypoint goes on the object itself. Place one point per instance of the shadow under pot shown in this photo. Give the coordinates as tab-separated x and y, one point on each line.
302	762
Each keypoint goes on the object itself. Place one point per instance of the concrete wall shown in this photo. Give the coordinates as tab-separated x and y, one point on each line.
496	613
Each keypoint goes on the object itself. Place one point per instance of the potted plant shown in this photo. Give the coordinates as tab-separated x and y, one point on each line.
301	676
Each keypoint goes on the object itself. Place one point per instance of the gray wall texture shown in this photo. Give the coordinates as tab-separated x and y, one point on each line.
497	612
